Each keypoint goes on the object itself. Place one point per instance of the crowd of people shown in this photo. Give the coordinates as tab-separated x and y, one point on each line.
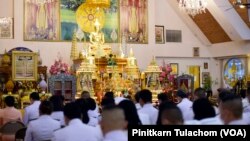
83	119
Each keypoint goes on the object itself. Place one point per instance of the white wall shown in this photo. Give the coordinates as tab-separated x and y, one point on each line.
7	9
230	48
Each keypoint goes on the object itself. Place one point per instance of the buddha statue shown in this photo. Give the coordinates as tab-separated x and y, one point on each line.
96	41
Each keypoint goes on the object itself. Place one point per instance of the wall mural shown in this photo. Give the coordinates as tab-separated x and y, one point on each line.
134	20
41	20
55	20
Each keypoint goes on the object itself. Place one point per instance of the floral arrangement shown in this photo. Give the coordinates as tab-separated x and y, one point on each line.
166	78
59	67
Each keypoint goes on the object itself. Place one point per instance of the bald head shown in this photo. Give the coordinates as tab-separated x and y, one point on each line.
113	118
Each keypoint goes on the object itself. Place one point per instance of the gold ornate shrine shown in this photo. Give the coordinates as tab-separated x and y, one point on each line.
151	81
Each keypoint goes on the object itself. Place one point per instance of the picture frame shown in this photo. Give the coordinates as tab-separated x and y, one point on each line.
205	65
24	66
196	51
6	28
205	76
159	34
175	68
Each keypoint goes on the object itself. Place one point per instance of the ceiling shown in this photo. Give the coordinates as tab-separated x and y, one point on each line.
222	22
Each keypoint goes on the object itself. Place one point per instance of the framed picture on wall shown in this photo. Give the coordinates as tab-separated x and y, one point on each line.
196	51
159	34
205	65
6	28
24	66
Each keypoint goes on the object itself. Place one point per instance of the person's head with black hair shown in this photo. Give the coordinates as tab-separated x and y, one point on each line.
231	108
91	103
34	96
85	94
45	108
130	112
199	93
84	106
57	102
145	96
109	95
71	111
137	97
180	94
162	97
161	108
202	109
171	114
9	101
107	101
223	93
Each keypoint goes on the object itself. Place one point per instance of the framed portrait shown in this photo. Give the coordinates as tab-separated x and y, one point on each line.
41	20
175	68
205	65
6	28
134	17
196	51
205	76
24	65
159	34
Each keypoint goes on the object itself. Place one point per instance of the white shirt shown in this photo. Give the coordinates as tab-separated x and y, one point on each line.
41	129
94	116
31	112
151	111
144	118
138	106
58	115
76	131
237	122
186	108
192	122
117	135
211	121
246	117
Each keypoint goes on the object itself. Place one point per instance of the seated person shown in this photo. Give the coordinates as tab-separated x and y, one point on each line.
43	128
9	112
31	112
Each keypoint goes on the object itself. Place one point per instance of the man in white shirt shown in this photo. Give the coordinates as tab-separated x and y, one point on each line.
42	128
145	101
185	105
75	129
31	112
113	124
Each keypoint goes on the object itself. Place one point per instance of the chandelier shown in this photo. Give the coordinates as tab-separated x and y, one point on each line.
193	7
